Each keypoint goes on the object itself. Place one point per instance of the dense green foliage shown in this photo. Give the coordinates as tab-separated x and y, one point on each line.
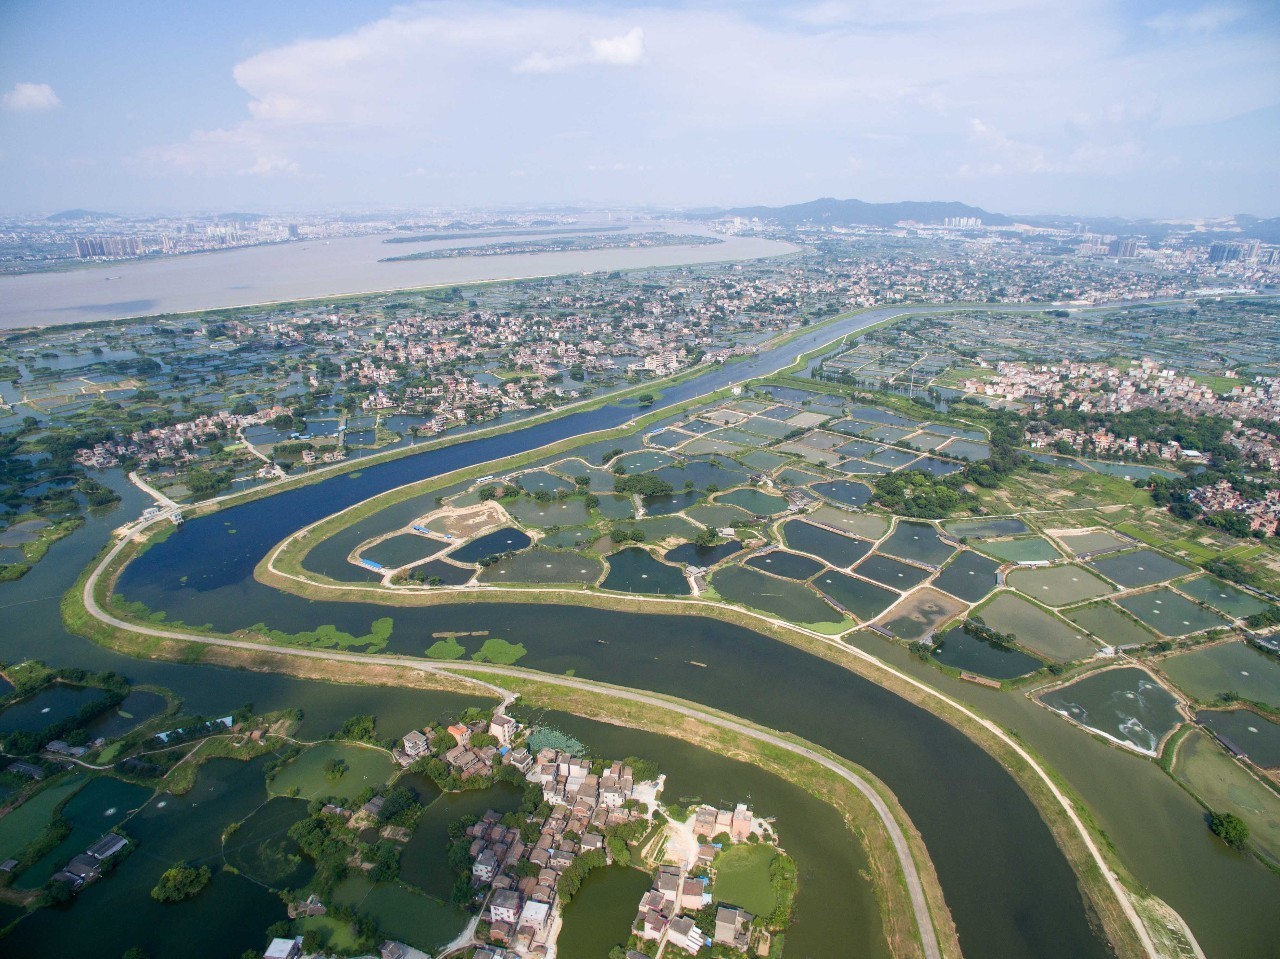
571	879
1230	828
642	484
181	881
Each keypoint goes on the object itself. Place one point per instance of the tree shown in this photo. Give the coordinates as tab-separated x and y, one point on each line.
1230	828
182	881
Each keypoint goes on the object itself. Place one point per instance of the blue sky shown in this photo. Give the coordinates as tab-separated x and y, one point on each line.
1082	106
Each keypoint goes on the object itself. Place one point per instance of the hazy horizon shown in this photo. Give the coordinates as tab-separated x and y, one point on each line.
1015	106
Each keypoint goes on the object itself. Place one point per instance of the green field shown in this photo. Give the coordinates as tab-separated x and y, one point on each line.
1035	629
365	767
1225	786
742	878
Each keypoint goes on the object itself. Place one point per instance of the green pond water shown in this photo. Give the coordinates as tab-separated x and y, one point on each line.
1257	735
1058	585
136	707
617	506
969	576
600	915
51	705
423	863
891	572
780	562
102	804
1110	626
864	600
1141	568
835	548
544	566
962	651
570	512
790	600
402	550
1222	596
262	850
1035	629
537	480
634	570
754	501
1029	549
119	909
1126	705
984	528
1167	612
1237	668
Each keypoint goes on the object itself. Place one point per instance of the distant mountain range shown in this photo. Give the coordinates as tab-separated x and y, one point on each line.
80	215
831	212
828	211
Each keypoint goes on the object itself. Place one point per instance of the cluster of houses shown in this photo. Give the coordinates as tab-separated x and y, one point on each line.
523	906
660	913
1103	442
663	913
1263	512
171	444
86	867
465	758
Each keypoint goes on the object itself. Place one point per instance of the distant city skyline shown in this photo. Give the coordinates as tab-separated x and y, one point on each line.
1016	106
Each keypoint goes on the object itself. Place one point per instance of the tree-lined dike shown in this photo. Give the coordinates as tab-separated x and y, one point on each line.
968	810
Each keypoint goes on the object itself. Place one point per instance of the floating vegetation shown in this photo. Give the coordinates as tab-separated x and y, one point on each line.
329	636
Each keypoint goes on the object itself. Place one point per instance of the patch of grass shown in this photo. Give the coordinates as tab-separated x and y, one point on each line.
742	878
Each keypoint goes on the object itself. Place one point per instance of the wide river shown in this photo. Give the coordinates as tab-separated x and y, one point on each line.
314	268
1011	891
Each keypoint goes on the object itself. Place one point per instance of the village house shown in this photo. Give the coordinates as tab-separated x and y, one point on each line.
733	928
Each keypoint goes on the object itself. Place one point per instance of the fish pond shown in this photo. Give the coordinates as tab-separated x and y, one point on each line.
958	649
1206	674
634	570
507	539
1125	705
754	501
1256	735
790	600
544	566
835	548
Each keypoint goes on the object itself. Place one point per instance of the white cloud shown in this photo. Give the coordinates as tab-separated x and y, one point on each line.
626	50
1205	20
31	98
711	101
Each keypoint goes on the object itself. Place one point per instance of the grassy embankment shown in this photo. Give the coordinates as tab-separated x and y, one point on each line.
1069	840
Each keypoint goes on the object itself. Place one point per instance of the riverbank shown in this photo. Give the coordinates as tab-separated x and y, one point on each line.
914	909
1134	921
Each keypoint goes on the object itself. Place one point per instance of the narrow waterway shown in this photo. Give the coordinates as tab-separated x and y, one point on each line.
1010	890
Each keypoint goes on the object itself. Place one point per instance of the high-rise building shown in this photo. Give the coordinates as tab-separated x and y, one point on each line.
1123	247
1224	252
